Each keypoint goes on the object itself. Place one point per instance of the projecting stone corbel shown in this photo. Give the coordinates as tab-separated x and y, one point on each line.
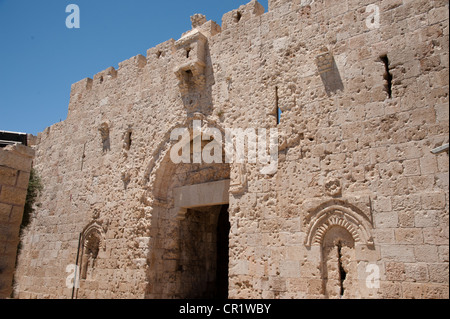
191	61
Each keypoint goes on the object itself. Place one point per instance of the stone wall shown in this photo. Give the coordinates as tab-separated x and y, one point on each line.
357	193
15	166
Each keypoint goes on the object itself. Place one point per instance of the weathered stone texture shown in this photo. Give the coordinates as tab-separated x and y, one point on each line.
355	165
15	166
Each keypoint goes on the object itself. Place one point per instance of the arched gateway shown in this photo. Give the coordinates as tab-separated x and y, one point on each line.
188	253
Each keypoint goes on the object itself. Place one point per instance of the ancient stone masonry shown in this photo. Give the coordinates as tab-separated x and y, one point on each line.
15	167
357	208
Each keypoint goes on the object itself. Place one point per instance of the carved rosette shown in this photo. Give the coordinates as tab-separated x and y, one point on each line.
333	188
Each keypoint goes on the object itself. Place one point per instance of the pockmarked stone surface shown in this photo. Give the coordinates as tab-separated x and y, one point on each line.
357	206
15	167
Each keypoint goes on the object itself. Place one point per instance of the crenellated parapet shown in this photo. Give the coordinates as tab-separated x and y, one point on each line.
186	57
242	14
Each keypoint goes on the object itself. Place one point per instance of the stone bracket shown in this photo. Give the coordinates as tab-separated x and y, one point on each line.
190	52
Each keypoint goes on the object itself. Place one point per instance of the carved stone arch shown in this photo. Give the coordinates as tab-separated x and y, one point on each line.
92	241
341	214
181	200
93	229
160	166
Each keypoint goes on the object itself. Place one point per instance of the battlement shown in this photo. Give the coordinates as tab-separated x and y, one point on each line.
199	24
360	177
242	14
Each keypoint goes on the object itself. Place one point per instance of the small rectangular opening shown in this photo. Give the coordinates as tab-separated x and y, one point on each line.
188	76
387	75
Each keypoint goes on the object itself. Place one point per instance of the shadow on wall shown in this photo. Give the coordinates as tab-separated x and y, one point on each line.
331	79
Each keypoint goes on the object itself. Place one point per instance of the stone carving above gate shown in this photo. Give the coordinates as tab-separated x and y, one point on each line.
357	220
333	188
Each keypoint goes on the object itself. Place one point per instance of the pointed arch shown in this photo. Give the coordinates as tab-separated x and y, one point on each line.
93	229
161	166
92	241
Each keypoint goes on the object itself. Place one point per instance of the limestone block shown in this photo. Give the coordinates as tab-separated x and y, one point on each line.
409	236
17	157
8	176
443	254
416	272
428	218
386	220
426	253
5	211
412	290
23	179
433	201
12	195
438	273
400	253
395	271
16	215
290	268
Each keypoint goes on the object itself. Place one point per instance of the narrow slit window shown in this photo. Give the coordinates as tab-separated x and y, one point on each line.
387	75
278	111
128	140
342	272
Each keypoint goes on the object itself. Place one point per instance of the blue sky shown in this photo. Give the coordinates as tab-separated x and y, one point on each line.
40	58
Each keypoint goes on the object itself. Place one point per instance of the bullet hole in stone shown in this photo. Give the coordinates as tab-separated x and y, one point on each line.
387	75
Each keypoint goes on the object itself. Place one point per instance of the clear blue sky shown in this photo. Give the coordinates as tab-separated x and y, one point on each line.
40	58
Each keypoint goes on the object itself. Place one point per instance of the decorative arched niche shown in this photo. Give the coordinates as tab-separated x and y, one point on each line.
337	227
338	213
92	241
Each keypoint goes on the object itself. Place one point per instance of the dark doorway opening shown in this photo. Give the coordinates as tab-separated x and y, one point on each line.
223	232
204	253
